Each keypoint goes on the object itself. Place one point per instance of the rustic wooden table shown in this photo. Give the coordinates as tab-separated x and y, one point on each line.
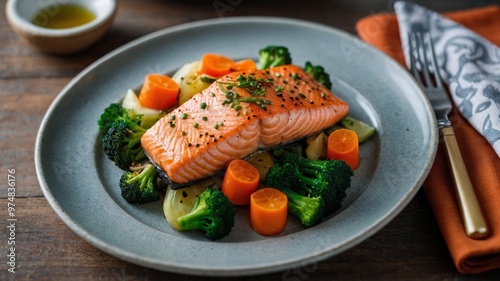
409	248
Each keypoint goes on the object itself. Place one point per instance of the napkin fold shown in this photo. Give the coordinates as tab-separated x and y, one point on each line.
469	64
482	162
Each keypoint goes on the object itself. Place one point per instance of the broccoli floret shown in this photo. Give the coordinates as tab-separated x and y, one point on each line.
115	112
122	130
122	143
339	174
212	213
319	74
272	56
138	186
308	210
326	179
295	148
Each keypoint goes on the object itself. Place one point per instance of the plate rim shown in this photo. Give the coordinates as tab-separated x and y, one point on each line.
238	271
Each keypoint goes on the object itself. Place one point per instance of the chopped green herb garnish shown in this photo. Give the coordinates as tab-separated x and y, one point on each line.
172	117
204	118
196	125
207	79
203	105
279	89
184	115
255	86
218	125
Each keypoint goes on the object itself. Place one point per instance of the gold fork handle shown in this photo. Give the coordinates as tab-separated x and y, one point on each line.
472	216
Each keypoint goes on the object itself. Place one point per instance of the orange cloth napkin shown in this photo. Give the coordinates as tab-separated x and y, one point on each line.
470	256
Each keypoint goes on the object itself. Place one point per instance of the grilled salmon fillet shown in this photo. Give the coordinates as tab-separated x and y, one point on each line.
236	115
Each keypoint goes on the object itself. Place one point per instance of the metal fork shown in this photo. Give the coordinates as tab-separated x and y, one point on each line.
423	66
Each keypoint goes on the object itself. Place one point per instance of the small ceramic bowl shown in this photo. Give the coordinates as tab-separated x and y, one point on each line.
62	40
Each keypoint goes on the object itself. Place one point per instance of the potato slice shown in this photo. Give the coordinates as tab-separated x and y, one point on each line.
189	82
316	146
181	201
263	161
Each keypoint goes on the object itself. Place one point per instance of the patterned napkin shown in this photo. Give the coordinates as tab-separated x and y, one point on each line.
469	255
469	64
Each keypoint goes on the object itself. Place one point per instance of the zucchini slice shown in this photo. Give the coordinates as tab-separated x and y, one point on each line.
363	130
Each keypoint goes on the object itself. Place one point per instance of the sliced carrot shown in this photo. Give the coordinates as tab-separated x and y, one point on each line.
244	65
158	92
268	211
240	181
343	145
215	65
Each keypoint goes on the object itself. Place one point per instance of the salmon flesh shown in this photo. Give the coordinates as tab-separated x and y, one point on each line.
236	115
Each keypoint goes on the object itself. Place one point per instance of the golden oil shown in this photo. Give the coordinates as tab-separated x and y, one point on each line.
63	16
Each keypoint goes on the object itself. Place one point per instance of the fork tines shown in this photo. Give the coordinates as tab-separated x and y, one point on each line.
423	63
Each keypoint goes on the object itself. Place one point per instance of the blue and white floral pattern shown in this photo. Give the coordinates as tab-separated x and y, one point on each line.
469	64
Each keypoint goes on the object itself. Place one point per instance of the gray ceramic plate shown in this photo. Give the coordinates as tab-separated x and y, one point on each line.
81	184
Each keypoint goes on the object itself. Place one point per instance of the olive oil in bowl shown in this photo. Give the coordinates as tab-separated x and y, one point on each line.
65	16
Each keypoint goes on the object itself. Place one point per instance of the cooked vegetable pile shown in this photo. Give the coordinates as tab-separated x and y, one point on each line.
315	188
307	179
122	130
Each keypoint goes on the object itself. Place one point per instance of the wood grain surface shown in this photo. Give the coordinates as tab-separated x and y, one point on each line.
409	248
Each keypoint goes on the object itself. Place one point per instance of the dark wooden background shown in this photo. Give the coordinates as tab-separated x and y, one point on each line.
409	248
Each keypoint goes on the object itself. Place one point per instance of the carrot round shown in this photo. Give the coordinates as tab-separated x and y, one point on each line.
343	145
215	65
158	92
244	65
240	181
268	211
